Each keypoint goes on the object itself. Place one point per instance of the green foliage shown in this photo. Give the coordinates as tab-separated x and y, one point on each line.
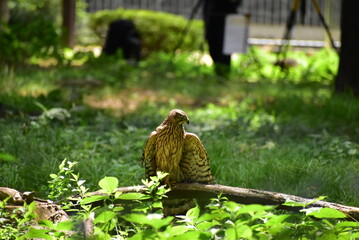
65	183
38	39
222	219
15	221
305	67
160	31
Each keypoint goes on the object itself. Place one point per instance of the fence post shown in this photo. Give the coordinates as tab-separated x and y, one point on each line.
327	15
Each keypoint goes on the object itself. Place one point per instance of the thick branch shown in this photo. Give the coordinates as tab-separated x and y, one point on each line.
246	196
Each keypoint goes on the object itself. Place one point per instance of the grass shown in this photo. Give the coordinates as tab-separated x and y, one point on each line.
277	133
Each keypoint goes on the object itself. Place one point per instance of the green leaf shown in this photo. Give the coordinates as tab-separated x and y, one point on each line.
244	231
325	213
231	234
108	184
118	208
347	224
203	226
65	226
320	198
92	199
154	220
136	218
31	207
47	223
157	204
8	158
131	196
232	206
276	223
53	176
177	230
37	233
191	235
104	217
254	208
293	204
212	216
193	213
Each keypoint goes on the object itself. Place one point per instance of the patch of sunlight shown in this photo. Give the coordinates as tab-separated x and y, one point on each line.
35	89
128	100
131	99
202	58
96	50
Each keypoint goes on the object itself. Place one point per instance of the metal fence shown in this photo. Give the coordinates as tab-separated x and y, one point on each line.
262	11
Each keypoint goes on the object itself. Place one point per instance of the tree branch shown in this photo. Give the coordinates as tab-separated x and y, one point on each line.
204	193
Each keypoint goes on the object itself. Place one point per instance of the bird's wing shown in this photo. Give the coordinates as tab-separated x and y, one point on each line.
148	156
195	163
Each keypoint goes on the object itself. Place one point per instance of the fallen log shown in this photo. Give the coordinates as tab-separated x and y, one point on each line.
204	193
45	210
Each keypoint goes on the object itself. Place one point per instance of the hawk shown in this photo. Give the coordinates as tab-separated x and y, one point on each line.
172	150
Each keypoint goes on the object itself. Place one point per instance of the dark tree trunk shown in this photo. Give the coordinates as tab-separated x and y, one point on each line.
68	22
347	79
4	11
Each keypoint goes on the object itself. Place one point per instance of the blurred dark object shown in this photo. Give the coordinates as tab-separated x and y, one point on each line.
122	35
215	12
286	64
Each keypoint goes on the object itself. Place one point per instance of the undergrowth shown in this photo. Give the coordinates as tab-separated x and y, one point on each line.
143	218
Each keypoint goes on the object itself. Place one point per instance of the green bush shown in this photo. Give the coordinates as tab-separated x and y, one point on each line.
159	31
28	34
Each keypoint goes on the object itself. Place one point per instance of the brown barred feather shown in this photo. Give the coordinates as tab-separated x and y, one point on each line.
170	149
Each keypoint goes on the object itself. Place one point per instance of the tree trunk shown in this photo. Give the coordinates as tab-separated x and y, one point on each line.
347	79
4	11
68	22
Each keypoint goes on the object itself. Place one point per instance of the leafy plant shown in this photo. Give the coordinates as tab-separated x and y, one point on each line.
62	183
14	222
160	31
222	219
38	39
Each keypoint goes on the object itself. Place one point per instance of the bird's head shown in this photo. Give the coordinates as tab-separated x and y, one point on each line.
177	116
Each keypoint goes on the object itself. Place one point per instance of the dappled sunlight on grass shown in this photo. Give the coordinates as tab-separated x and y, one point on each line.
130	100
271	134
